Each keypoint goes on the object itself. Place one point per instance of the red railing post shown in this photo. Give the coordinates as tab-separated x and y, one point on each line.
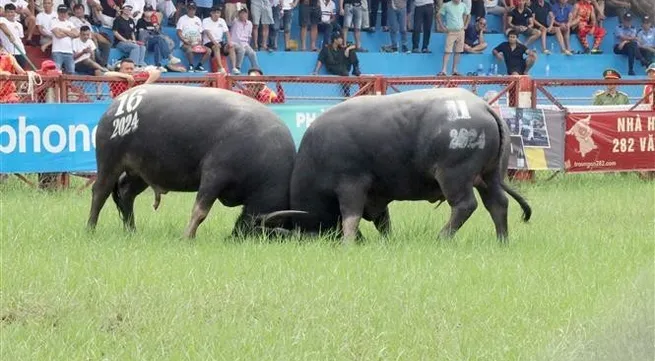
380	85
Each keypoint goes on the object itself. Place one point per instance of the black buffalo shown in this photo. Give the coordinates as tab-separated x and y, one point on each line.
215	142
433	144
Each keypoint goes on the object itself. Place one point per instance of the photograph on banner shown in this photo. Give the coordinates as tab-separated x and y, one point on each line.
613	141
517	159
542	137
529	123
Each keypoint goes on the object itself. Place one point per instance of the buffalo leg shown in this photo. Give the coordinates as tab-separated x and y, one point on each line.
100	191
205	198
382	222
352	199
129	187
462	202
496	202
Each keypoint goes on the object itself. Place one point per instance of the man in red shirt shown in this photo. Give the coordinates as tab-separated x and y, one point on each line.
126	72
584	19
258	90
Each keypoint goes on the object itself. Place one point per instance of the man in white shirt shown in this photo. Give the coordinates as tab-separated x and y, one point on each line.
214	30
328	22
101	42
25	16
43	21
11	33
63	32
189	30
84	54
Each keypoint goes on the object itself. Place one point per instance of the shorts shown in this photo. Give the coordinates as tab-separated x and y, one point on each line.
231	12
83	68
223	46
517	68
352	16
455	39
309	15
261	12
287	19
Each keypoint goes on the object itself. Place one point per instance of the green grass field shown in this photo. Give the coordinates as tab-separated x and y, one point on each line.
576	283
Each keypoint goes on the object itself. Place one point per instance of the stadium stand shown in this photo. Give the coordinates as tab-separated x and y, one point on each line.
376	62
588	66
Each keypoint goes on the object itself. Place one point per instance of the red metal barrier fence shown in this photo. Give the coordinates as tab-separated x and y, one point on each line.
514	91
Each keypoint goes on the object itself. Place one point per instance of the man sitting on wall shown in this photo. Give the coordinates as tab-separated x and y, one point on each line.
611	96
338	59
513	52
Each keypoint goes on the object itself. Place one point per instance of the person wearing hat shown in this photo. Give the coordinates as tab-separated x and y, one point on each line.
189	31
216	36
625	42
63	31
125	38
646	39
149	32
611	96
338	59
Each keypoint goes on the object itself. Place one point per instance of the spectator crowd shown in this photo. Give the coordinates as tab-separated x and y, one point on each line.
73	33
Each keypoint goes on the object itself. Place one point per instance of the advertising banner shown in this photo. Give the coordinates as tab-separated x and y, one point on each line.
61	137
537	137
615	141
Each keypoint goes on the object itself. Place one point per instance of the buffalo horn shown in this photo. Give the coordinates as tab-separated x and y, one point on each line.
273	215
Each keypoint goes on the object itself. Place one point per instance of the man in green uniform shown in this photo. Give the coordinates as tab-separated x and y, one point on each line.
611	96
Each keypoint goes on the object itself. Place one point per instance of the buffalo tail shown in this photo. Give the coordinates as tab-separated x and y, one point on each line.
118	200
503	163
527	211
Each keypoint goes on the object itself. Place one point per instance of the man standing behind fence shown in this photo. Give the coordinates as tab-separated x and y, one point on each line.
611	96
126	72
63	32
457	16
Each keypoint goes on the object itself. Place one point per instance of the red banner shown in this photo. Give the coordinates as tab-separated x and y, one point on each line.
615	141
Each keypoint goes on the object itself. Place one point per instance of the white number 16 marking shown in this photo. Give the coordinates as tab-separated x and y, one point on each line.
129	102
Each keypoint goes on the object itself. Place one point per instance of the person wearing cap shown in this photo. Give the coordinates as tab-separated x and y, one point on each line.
189	31
63	31
241	32
338	59
611	96
625	42
646	39
216	36
125	39
149	32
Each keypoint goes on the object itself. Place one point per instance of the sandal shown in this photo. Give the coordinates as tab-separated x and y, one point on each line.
441	73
